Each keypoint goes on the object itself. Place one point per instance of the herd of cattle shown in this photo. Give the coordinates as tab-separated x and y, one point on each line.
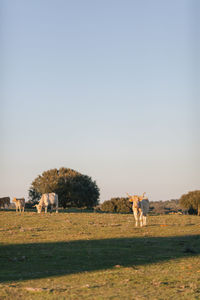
46	200
140	205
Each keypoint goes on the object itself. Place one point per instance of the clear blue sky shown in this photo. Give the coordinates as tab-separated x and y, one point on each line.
108	88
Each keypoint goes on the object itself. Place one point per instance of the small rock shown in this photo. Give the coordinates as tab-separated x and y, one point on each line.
86	285
34	289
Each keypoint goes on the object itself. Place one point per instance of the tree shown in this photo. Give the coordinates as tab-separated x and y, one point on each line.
191	201
73	188
34	196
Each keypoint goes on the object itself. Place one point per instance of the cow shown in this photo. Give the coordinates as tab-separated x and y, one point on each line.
140	208
47	199
4	201
20	204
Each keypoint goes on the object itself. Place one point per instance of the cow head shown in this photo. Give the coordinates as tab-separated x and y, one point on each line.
135	199
38	207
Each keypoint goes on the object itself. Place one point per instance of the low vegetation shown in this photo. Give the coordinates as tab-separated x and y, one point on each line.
78	255
188	203
191	201
123	205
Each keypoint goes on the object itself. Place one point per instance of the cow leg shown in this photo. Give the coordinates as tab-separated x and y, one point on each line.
51	207
45	209
136	218
144	220
141	219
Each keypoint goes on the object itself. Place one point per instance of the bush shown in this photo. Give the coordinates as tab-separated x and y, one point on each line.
191	202
120	205
29	204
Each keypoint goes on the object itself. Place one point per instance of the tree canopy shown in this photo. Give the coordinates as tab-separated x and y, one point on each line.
73	188
191	200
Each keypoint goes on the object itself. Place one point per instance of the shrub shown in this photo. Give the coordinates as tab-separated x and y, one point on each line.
191	201
120	205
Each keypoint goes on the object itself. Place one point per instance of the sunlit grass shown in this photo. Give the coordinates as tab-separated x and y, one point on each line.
98	256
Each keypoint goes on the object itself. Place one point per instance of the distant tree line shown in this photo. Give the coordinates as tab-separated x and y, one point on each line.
77	190
123	205
188	203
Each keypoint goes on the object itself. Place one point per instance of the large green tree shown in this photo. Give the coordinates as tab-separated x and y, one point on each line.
191	200
73	188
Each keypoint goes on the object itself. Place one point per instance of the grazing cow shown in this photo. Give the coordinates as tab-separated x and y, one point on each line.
4	201
140	208
20	204
47	199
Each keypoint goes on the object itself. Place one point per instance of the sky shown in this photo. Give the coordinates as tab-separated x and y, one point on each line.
108	88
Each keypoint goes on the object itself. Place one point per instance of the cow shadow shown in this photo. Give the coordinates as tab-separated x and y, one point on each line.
40	260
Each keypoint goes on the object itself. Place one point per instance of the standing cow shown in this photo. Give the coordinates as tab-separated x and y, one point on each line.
4	201
47	199
20	204
140	208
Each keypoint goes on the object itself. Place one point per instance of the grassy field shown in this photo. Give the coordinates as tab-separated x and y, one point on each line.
98	256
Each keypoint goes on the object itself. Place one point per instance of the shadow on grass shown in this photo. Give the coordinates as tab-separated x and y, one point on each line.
40	260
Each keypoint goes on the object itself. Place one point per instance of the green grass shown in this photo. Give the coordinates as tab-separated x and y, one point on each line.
98	256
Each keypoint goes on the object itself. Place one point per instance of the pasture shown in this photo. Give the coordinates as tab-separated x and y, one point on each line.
79	255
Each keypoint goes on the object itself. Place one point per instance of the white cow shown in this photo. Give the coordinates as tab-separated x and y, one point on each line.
140	208
20	204
47	199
